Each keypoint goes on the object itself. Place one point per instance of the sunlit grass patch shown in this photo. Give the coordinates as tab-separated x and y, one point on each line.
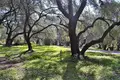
55	63
15	73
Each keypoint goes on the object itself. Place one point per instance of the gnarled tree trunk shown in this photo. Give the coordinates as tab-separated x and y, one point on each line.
73	42
73	37
27	39
8	43
73	18
9	40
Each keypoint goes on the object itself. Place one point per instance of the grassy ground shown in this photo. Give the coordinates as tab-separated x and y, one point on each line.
47	63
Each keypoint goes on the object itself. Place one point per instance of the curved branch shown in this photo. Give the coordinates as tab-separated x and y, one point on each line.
93	42
7	14
42	30
41	15
60	7
65	25
17	35
80	10
92	25
111	36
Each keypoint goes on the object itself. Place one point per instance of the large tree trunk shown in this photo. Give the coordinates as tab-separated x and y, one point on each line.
73	39
73	44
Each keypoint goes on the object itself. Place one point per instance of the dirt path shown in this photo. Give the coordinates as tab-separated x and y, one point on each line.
5	64
104	51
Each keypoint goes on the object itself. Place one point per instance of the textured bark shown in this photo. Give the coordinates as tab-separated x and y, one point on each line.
72	36
29	45
8	43
9	40
73	42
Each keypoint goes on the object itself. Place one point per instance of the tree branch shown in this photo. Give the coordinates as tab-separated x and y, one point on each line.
60	7
80	10
7	14
65	25
92	25
93	42
42	30
17	35
70	9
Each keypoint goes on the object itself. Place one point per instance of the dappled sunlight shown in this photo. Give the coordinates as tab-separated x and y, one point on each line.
12	74
43	69
59	40
47	62
71	73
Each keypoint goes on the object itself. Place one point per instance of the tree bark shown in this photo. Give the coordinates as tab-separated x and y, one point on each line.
8	43
78	50
29	44
73	44
73	38
9	40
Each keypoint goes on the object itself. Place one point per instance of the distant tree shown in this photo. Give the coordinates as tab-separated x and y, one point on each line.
12	30
31	23
111	11
11	21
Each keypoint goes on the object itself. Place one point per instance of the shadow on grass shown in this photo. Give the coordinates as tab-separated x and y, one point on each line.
71	72
47	63
43	71
55	70
5	76
34	73
103	61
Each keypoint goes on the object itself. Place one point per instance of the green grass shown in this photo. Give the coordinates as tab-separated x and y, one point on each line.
46	63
